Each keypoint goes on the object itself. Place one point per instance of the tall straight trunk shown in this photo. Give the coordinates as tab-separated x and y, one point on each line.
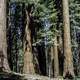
52	59
68	57
28	56
56	61
4	66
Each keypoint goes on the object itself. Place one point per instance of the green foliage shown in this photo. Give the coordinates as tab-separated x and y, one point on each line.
15	39
75	29
45	10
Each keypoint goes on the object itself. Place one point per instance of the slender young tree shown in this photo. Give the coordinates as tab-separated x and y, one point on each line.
4	66
68	57
56	61
28	56
52	60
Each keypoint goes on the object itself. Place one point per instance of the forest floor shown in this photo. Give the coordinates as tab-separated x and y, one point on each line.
17	76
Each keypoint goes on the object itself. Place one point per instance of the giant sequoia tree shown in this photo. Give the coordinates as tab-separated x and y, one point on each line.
3	44
68	57
28	56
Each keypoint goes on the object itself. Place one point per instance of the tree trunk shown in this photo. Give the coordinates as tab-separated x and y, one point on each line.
4	66
28	56
60	47
68	57
52	60
56	61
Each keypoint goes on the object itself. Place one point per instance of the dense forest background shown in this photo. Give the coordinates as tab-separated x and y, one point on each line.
40	37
